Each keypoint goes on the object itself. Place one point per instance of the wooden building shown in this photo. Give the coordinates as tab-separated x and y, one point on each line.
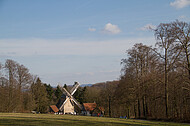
66	104
91	109
54	109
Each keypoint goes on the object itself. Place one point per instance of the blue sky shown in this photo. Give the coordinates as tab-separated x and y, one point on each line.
63	41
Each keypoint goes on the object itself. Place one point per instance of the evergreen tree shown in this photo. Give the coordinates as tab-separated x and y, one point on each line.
79	95
50	92
40	96
58	93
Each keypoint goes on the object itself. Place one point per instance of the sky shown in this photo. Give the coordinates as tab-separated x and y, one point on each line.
63	41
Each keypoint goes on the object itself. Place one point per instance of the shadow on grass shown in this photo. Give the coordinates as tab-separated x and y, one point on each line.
58	122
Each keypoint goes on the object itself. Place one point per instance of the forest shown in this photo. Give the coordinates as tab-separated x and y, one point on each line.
154	81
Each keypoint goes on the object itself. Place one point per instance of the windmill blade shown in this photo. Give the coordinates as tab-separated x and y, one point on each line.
73	90
68	94
73	99
76	102
61	88
60	108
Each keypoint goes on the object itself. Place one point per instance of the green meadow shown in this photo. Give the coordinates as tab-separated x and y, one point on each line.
23	119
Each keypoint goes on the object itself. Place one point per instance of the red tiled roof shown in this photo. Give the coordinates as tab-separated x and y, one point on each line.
89	106
54	108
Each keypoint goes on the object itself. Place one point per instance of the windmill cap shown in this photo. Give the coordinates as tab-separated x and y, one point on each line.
76	82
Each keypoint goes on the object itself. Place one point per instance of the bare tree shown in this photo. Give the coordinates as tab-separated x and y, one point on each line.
24	80
169	52
138	69
19	82
10	67
181	31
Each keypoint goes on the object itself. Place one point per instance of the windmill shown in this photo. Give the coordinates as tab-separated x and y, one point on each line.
68	101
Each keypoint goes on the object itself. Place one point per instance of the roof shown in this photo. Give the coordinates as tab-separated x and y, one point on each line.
54	108
89	106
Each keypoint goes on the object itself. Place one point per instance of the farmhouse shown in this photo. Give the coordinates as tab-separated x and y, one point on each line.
91	109
54	109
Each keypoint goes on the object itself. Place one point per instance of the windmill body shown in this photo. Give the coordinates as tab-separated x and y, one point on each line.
67	107
67	101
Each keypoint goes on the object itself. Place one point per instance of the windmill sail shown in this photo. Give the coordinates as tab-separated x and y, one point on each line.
69	98
61	107
73	99
73	90
76	102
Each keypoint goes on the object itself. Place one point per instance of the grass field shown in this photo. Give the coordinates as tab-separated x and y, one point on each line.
26	119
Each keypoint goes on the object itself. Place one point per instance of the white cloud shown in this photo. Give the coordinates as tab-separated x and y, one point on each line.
111	29
148	27
91	29
180	3
29	47
66	60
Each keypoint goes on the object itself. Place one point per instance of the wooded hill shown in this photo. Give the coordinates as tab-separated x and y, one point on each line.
154	84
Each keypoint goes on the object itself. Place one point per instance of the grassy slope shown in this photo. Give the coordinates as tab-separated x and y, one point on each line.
23	119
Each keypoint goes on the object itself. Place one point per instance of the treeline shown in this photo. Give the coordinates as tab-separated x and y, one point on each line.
20	91
155	82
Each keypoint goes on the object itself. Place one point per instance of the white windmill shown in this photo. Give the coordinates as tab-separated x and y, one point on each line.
68	101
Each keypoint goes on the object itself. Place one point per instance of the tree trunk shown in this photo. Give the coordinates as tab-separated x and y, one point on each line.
144	107
135	111
166	84
128	113
188	62
139	109
109	106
